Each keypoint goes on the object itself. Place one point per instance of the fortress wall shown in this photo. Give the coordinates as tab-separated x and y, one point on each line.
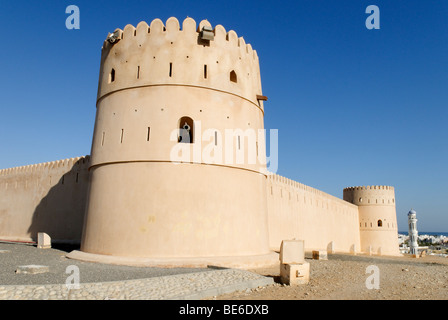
299	211
47	197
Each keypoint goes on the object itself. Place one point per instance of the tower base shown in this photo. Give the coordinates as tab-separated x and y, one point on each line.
237	262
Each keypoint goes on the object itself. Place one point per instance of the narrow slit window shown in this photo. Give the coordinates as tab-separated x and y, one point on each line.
239	142
112	76
233	76
205	71
171	69
148	133
216	138
122	134
102	138
138	72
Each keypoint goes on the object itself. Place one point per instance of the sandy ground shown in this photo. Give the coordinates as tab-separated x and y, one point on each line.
343	277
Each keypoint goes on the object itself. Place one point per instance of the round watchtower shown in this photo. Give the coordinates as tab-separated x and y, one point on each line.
176	109
377	218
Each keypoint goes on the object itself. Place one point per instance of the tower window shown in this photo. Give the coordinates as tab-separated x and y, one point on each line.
112	76
171	69
233	76
186	130
205	71
380	223
148	133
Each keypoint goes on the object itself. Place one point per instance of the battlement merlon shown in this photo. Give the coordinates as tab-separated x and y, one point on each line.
161	54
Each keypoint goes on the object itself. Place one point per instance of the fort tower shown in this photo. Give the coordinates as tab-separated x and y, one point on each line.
162	185
377	218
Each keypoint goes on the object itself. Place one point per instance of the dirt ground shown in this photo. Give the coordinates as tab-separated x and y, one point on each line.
344	277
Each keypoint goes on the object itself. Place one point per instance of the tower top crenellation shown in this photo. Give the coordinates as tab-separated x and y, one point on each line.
168	54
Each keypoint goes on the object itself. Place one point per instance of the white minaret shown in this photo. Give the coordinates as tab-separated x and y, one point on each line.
413	233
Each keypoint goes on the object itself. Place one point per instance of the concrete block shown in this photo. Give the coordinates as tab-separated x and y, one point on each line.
320	255
292	251
43	241
32	269
295	274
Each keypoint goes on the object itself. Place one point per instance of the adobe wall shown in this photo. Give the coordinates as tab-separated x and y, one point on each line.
299	211
47	197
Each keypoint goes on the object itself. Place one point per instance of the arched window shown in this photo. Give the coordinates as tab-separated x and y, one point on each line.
186	130
233	76
380	223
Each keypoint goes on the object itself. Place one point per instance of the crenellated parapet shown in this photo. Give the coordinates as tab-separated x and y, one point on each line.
370	195
297	186
170	54
39	167
45	174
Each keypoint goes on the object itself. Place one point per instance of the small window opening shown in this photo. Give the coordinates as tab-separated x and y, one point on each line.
233	76
138	72
380	223
239	142
148	133
216	138
77	177
171	69
112	76
205	71
186	130
102	138
122	134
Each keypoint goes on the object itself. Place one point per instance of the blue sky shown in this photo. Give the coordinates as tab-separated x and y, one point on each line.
352	106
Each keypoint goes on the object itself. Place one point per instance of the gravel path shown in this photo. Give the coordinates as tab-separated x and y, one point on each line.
109	282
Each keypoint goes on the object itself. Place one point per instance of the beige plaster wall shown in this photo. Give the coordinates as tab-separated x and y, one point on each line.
48	197
302	212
